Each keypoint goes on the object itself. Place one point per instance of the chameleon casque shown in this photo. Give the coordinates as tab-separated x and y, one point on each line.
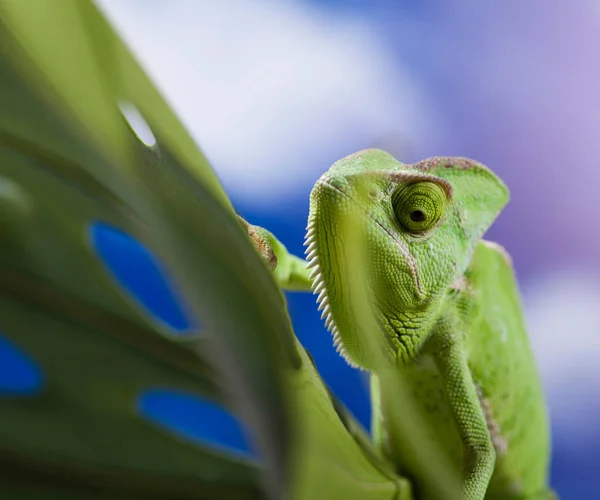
447	310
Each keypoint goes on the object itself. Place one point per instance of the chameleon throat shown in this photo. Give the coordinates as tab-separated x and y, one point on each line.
318	287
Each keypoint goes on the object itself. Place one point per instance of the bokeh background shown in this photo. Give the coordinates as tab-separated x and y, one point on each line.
274	91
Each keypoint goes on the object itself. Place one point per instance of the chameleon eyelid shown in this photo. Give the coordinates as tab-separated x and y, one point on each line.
403	177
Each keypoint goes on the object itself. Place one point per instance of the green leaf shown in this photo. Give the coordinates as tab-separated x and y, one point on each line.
72	159
333	456
409	426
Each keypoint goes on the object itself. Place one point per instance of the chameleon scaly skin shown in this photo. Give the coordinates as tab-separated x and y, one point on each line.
448	312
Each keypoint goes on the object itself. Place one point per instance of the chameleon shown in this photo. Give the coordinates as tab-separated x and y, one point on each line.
447	312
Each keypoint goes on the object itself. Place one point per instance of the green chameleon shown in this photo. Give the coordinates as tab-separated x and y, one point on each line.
447	310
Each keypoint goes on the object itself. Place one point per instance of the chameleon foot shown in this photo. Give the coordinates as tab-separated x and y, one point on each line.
260	239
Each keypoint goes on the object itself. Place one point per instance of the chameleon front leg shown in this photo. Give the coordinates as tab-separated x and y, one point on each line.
479	453
289	271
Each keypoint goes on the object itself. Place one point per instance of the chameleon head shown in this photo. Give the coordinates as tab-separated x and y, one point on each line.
415	228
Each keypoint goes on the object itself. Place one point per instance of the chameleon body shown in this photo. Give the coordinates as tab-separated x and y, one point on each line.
447	311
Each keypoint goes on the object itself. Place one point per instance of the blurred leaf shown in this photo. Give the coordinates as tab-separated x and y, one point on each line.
410	433
70	160
333	456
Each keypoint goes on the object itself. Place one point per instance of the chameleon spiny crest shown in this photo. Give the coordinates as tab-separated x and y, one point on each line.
319	288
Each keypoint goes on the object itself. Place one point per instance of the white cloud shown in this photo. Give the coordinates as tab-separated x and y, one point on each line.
563	311
273	91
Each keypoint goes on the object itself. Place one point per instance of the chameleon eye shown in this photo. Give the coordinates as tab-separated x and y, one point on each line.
419	206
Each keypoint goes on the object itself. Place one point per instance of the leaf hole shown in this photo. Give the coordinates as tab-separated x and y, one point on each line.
19	374
137	122
142	275
198	420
